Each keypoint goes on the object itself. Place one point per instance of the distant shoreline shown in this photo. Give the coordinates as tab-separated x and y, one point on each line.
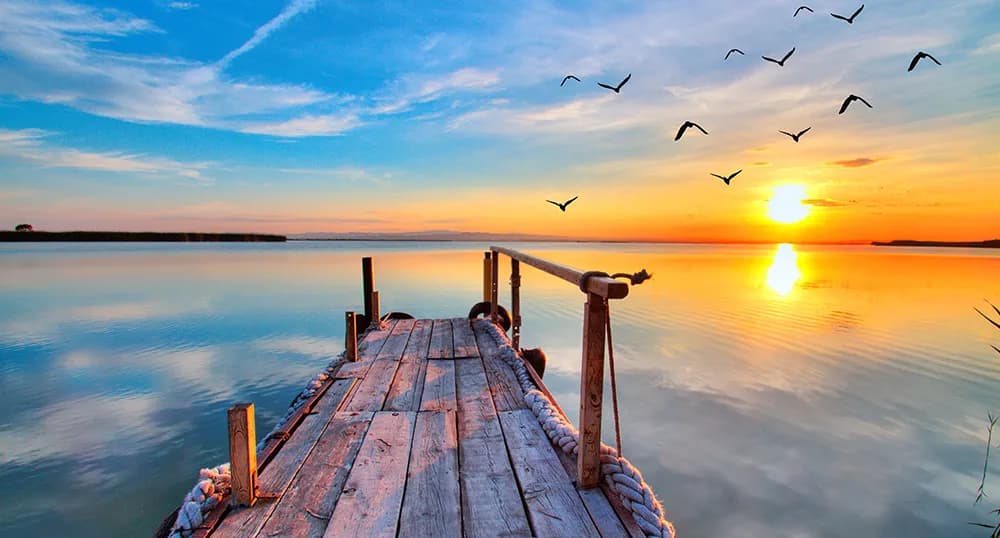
163	237
992	243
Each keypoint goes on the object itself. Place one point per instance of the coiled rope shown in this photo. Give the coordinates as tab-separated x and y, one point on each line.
620	475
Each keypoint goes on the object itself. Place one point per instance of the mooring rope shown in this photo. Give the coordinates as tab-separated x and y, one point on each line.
214	483
634	278
620	475
614	384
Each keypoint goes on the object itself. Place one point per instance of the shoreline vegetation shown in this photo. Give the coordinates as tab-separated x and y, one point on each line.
175	237
991	243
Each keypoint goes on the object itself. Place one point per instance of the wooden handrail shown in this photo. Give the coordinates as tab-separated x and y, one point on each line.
606	287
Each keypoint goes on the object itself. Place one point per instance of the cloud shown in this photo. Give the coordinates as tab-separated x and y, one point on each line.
858	162
990	45
182	6
348	173
30	145
416	89
326	125
294	8
826	202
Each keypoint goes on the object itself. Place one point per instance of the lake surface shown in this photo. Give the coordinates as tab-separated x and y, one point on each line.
765	390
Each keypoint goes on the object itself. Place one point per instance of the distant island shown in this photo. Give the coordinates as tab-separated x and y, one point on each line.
990	243
177	237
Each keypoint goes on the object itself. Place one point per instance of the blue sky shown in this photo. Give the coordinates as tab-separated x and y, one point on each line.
336	116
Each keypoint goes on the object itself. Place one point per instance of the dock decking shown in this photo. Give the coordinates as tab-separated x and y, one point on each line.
427	434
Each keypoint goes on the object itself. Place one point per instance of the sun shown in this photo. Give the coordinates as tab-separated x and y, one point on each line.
786	204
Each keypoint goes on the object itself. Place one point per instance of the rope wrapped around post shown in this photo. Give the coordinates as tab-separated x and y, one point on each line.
621	476
634	278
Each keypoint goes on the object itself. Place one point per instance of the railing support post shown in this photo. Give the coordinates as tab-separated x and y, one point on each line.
494	286
588	464
351	337
368	284
487	267
515	302
243	454
376	322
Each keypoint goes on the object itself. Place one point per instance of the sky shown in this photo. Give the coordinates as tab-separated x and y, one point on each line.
297	116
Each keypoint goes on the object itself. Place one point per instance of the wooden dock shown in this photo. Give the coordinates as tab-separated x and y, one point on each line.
427	434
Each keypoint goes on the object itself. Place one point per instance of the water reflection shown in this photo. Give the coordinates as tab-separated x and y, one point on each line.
784	270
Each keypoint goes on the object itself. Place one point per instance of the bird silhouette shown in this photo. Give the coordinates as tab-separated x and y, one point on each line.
563	205
920	55
684	127
617	88
796	137
850	20
728	178
850	99
807	8
782	62
732	51
567	77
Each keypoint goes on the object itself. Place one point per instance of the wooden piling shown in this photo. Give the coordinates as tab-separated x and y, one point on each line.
243	454
376	312
487	267
515	302
351	337
588	464
494	287
368	284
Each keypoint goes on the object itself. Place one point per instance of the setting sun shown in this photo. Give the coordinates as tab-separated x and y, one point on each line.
786	204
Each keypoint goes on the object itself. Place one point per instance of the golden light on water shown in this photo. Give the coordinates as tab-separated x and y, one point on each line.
786	205
784	270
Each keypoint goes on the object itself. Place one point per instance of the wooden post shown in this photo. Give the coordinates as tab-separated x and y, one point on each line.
487	265
376	313
494	287
368	284
351	338
588	463
243	454
515	302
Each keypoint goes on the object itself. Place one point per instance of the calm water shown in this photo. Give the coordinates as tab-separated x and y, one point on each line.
766	391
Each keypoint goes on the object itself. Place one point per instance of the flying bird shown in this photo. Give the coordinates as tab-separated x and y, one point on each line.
850	20
563	205
728	178
732	51
850	99
796	137
782	62
807	8
684	127
567	77
920	55
617	88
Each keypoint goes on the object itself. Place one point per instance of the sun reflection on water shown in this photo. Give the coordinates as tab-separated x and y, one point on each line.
784	270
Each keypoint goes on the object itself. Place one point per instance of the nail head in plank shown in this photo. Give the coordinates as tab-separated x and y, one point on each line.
442	343
553	505
317	486
373	495
432	503
465	340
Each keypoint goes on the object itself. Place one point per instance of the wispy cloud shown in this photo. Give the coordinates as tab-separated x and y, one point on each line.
182	6
858	162
31	145
342	173
294	8
826	202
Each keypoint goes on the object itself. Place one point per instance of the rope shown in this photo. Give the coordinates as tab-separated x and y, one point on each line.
614	383
634	278
620	475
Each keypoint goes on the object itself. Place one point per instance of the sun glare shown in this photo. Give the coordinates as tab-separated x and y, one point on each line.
786	206
784	271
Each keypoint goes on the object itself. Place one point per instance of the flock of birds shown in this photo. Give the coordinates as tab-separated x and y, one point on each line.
848	101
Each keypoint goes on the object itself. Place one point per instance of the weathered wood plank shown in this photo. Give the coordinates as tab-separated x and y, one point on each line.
465	340
506	390
602	514
491	502
286	463
373	494
373	341
442	342
439	386
432	504
395	343
408	385
356	370
371	391
553	504
306	506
